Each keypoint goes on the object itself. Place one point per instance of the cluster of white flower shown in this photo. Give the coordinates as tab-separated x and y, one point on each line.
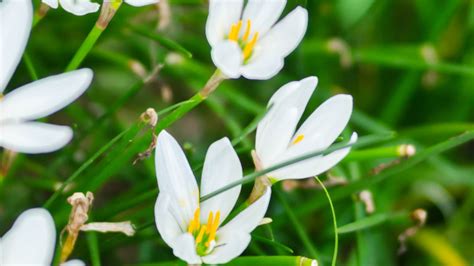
245	42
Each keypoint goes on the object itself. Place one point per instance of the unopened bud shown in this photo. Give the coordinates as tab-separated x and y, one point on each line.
366	197
150	117
406	150
419	216
340	47
429	54
137	68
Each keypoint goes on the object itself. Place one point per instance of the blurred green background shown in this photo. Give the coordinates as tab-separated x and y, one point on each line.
409	64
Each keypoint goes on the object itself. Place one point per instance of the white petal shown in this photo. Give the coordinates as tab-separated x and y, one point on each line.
79	7
31	239
324	125
184	248
277	128
46	96
165	219
263	14
141	2
34	137
227	56
250	218
274	133
15	24
221	167
285	36
175	176
73	263
300	91
222	14
314	166
230	246
263	64
51	3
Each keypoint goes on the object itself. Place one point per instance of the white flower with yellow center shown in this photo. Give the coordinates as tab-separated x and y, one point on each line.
195	230
279	140
31	241
84	7
249	43
35	100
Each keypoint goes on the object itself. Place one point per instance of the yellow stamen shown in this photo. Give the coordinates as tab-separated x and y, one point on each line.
216	220
298	139
201	234
235	30
249	47
194	223
209	222
247	31
212	231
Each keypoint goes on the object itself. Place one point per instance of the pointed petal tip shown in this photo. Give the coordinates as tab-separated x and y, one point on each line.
310	82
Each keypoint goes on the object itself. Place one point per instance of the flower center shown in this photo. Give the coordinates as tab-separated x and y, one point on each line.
244	41
298	139
204	234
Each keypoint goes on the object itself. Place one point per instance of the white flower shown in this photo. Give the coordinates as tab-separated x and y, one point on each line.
76	7
35	100
31	241
277	141
250	43
194	230
84	7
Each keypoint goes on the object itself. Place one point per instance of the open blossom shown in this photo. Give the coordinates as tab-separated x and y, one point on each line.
249	43
31	241
279	140
192	229
84	7
36	100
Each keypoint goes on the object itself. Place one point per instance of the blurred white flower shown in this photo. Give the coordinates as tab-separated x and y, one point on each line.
76	7
31	241
192	229
277	141
84	7
249	43
37	99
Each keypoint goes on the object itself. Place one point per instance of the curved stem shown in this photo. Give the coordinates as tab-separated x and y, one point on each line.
336	237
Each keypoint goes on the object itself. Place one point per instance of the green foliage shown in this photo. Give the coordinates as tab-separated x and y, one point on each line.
402	95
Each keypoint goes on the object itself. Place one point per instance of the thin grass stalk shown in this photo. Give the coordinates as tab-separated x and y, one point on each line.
334	220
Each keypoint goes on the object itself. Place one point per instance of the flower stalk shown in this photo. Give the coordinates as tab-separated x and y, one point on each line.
211	85
40	13
108	11
261	183
6	162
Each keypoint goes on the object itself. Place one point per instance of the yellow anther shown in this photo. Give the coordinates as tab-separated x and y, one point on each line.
201	234
209	222
194	223
235	30
216	220
247	31
298	139
249	46
197	214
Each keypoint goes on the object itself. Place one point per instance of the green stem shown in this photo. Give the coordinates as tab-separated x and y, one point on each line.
85	48
198	98
29	66
336	238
